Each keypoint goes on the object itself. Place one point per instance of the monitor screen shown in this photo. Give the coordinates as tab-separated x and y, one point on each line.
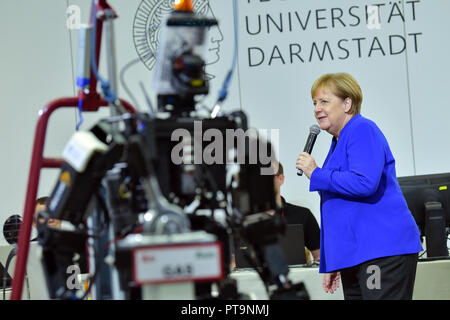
426	188
428	199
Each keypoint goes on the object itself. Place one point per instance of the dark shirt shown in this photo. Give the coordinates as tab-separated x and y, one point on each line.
300	215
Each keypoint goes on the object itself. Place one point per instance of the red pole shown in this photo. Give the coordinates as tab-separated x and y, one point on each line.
30	198
91	102
37	163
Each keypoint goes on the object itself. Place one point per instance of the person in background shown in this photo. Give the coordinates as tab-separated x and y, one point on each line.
298	215
40	205
369	237
294	215
63	225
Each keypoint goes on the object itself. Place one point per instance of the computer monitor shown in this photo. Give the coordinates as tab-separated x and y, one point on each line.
428	198
292	244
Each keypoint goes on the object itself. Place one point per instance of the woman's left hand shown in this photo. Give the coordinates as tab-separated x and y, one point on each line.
306	163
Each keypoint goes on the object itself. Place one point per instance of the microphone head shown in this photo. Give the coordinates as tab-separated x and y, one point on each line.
11	228
315	129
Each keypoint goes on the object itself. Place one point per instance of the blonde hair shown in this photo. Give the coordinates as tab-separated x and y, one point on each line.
342	85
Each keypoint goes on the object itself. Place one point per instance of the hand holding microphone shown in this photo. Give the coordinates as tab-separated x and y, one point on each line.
306	163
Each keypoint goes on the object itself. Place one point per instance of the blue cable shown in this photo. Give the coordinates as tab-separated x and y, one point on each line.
224	91
80	109
106	87
81	83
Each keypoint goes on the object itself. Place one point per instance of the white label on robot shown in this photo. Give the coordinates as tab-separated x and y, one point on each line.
80	149
177	263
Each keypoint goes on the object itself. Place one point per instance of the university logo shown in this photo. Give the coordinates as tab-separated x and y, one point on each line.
147	26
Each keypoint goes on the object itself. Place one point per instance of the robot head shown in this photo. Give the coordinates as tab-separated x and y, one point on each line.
147	30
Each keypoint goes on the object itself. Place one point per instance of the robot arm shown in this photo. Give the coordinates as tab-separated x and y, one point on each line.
88	156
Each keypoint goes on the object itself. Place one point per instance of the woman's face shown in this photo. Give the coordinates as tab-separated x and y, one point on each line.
331	111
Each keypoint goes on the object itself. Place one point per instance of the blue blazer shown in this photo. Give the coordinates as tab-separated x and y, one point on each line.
363	212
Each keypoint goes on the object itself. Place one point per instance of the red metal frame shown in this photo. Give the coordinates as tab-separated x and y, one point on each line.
91	103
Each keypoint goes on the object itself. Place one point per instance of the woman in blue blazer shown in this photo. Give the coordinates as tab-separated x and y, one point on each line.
369	238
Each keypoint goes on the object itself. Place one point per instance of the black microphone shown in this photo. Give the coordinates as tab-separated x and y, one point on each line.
314	131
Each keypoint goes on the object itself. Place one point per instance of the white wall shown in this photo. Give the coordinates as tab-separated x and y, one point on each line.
403	93
35	68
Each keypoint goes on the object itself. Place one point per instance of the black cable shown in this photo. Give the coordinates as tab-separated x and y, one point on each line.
4	283
147	99
254	261
103	229
209	177
94	277
122	79
28	286
104	208
422	254
97	253
11	255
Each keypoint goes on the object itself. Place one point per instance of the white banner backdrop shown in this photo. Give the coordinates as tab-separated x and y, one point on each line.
396	50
